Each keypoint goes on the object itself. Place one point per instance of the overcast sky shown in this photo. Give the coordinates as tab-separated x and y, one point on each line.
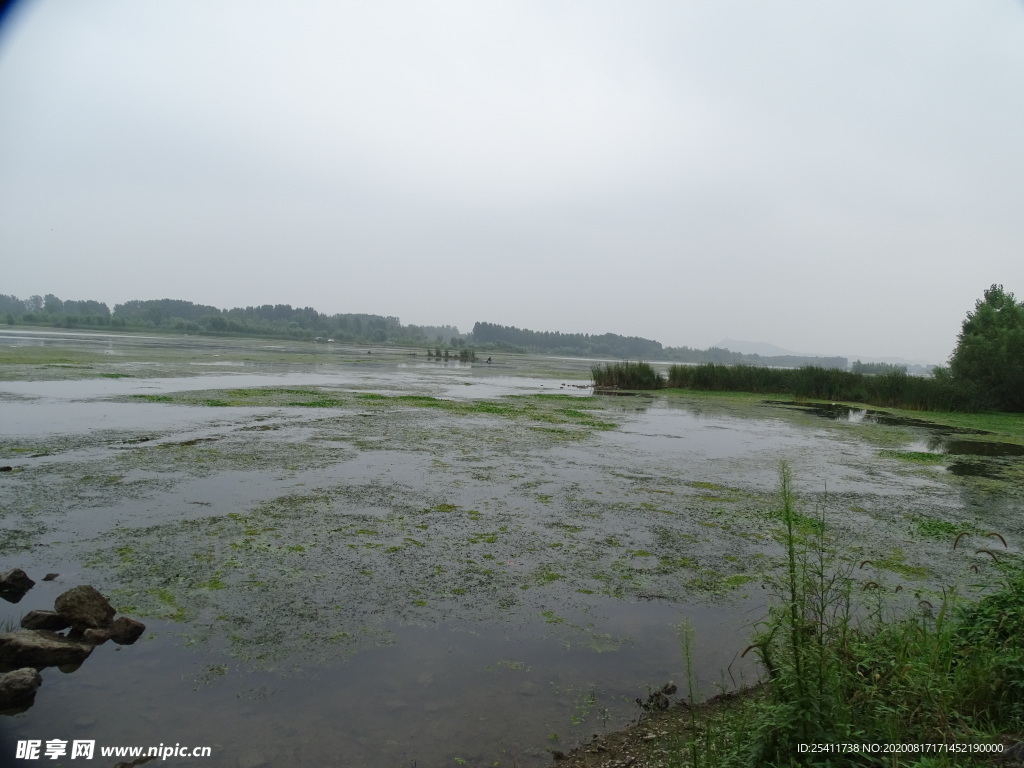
832	177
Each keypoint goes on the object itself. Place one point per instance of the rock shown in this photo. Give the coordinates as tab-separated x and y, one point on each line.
97	636
125	631
85	608
50	576
18	687
50	620
14	584
40	648
6	468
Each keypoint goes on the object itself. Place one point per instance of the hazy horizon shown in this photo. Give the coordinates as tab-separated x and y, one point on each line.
762	347
833	179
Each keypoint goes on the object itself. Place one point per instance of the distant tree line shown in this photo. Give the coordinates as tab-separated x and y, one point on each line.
49	310
604	345
176	315
612	345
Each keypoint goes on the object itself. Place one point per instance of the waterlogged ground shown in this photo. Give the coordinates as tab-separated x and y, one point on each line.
365	557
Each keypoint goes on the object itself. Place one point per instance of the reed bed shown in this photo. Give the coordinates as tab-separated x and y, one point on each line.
626	375
892	390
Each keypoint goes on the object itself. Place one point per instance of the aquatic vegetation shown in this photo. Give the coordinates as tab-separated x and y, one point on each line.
626	375
916	457
896	389
895	561
154	398
940	529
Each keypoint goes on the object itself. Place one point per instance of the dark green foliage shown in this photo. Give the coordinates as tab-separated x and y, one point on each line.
990	350
892	390
627	375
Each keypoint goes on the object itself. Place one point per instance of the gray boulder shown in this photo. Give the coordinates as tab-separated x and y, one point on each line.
85	608
19	687
40	648
44	620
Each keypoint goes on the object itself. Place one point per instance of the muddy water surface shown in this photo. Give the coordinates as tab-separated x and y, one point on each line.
346	559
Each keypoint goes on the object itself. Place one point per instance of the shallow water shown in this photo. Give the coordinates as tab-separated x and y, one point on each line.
356	581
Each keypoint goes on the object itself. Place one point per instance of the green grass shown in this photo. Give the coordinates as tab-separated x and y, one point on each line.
915	457
939	529
1007	426
844	666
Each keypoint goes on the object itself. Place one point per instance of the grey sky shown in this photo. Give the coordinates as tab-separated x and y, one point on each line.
841	177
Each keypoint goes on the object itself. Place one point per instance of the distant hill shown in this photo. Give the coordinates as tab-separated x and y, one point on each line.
762	348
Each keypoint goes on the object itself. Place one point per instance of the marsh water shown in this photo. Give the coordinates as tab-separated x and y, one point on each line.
363	557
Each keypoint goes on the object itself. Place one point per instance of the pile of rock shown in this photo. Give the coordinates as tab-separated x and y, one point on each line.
89	619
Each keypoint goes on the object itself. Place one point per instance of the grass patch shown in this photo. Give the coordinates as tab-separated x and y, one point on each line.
153	398
845	667
916	457
706	486
541	408
940	529
896	562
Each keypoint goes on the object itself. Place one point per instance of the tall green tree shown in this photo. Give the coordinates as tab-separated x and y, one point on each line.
990	349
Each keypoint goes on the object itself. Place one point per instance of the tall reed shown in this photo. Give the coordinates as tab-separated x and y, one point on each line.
627	375
893	390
